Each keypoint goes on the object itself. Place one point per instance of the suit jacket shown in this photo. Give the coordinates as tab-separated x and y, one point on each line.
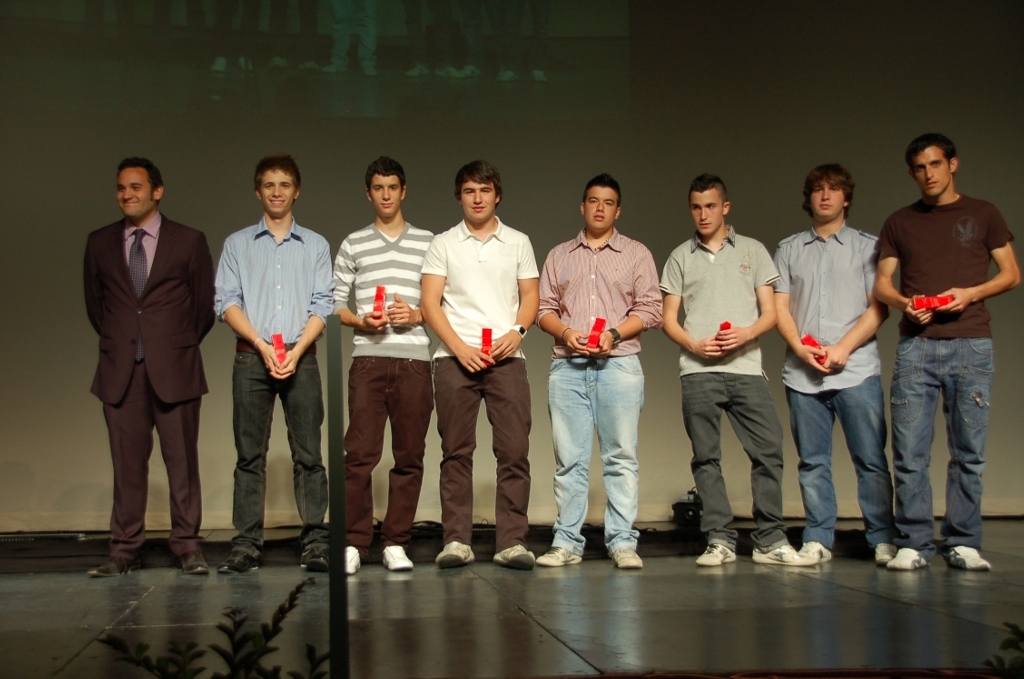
174	313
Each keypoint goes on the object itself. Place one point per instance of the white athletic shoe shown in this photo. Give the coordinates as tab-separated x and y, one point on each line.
455	554
627	558
395	559
715	555
907	559
884	553
558	556
782	555
516	557
352	562
815	551
967	558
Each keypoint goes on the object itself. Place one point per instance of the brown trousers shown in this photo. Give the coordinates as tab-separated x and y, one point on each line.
379	389
130	425
457	394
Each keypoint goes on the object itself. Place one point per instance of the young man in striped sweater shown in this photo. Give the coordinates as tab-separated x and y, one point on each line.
390	373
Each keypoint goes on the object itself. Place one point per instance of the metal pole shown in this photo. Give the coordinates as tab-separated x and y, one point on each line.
336	458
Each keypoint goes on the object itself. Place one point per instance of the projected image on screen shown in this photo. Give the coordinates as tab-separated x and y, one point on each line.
532	59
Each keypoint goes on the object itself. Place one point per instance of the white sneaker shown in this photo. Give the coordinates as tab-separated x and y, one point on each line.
219	65
967	558
715	555
455	554
558	556
783	555
906	559
278	62
450	72
309	66
395	559
539	76
884	553
815	551
469	71
418	70
352	562
335	67
517	557
627	558
507	76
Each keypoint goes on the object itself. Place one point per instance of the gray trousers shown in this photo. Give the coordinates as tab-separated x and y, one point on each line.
748	403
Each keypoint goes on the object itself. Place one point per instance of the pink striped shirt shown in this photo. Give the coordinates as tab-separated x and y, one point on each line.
617	281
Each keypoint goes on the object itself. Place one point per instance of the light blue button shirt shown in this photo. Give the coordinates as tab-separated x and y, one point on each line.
277	285
828	282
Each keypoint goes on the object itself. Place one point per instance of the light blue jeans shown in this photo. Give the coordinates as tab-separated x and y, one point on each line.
861	411
961	370
605	394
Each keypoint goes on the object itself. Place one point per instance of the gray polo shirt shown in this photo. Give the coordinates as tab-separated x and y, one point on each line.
717	287
828	282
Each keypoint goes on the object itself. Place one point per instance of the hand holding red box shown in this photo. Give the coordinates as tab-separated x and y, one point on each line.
809	341
379	299
595	333
933	302
486	342
280	350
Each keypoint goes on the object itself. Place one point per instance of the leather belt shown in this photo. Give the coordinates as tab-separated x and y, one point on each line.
246	348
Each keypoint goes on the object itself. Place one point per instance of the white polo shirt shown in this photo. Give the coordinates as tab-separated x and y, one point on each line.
481	288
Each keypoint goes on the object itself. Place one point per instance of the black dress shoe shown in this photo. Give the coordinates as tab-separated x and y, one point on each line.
114	566
239	562
193	563
315	558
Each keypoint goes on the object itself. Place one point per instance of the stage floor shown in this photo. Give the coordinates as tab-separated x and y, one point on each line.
485	621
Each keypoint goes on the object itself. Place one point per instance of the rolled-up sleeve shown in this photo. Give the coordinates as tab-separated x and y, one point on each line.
322	299
228	283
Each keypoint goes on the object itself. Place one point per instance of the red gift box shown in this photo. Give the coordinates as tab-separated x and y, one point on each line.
595	333
486	341
726	325
378	300
809	341
279	348
933	302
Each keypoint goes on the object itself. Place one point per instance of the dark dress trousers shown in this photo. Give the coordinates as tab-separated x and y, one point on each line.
165	389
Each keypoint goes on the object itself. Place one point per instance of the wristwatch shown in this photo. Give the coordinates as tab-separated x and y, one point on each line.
520	329
616	337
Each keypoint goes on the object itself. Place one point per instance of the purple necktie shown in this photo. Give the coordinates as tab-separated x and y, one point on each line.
137	268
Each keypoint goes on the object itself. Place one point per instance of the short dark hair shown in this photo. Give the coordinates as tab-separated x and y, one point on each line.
479	171
604	180
156	180
919	144
835	176
706	182
385	167
282	162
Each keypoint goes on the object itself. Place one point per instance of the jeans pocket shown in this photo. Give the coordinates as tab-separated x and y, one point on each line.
905	346
245	359
973	394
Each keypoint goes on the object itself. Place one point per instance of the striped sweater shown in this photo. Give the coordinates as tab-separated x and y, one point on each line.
367	259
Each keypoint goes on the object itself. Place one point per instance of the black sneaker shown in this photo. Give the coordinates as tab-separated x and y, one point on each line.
239	562
315	558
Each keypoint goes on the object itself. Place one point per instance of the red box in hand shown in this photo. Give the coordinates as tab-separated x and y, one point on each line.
595	333
726	325
933	302
378	300
486	341
809	341
280	350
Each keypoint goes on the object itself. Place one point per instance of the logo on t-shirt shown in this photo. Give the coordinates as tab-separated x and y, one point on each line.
965	230
745	262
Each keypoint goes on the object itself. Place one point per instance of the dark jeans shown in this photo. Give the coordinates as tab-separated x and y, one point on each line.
457	395
748	403
379	389
254	391
500	14
441	12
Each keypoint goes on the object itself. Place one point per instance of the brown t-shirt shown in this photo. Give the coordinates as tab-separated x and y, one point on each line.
941	247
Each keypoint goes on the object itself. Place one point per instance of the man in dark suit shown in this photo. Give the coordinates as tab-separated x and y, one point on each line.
149	295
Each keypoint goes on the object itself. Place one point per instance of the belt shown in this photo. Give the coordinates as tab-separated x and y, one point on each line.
246	348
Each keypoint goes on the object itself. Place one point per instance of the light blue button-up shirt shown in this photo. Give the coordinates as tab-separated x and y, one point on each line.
278	286
828	282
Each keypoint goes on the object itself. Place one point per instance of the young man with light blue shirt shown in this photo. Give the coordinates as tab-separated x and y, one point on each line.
827	274
275	277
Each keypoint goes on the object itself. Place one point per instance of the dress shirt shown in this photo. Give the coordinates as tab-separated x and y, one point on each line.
614	282
278	286
150	238
828	281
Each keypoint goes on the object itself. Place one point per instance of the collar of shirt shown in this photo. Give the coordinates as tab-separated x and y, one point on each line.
841	236
294	231
730	238
152	227
613	243
498	234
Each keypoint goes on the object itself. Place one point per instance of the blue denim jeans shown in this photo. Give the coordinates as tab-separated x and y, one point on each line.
254	392
961	370
748	403
606	394
861	412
